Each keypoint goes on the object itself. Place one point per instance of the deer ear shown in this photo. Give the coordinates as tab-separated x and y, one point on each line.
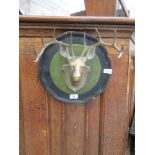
91	52
64	51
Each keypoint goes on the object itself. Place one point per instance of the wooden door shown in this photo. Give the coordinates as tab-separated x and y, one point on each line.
48	127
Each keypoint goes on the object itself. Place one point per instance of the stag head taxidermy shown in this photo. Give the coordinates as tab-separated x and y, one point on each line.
76	69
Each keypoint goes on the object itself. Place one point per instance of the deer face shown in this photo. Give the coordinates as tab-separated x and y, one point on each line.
76	70
76	67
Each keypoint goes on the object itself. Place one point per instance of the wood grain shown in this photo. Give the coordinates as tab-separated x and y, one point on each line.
74	130
56	124
132	90
34	107
92	117
113	126
100	7
77	20
22	149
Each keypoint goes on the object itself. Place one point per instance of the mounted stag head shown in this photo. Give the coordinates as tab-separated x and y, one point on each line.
76	70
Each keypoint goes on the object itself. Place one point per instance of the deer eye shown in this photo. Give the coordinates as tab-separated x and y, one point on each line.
86	67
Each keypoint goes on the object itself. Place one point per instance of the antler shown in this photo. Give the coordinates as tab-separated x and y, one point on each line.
54	41
113	45
89	50
71	47
66	49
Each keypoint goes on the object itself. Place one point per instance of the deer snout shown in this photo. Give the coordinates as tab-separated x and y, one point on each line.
76	77
76	74
76	65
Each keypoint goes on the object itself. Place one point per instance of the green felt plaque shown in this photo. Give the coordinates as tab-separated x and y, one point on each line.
57	74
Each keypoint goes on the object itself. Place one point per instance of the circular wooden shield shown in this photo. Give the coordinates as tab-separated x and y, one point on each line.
52	75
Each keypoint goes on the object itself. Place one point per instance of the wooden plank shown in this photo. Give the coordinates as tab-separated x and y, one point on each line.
132	90
53	128
56	123
77	20
127	112
34	102
113	129
73	129
102	116
100	7
22	147
92	126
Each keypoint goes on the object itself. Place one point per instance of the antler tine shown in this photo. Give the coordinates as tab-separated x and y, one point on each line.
85	44
54	38
98	34
42	40
54	29
86	47
120	50
114	40
54	41
39	55
71	45
113	45
100	39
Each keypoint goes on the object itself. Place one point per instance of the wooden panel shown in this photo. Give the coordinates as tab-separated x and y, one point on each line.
56	124
92	127
52	128
132	90
74	129
22	149
100	7
115	110
34	103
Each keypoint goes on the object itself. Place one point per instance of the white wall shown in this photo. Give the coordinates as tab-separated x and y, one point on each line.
59	7
131	6
51	7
